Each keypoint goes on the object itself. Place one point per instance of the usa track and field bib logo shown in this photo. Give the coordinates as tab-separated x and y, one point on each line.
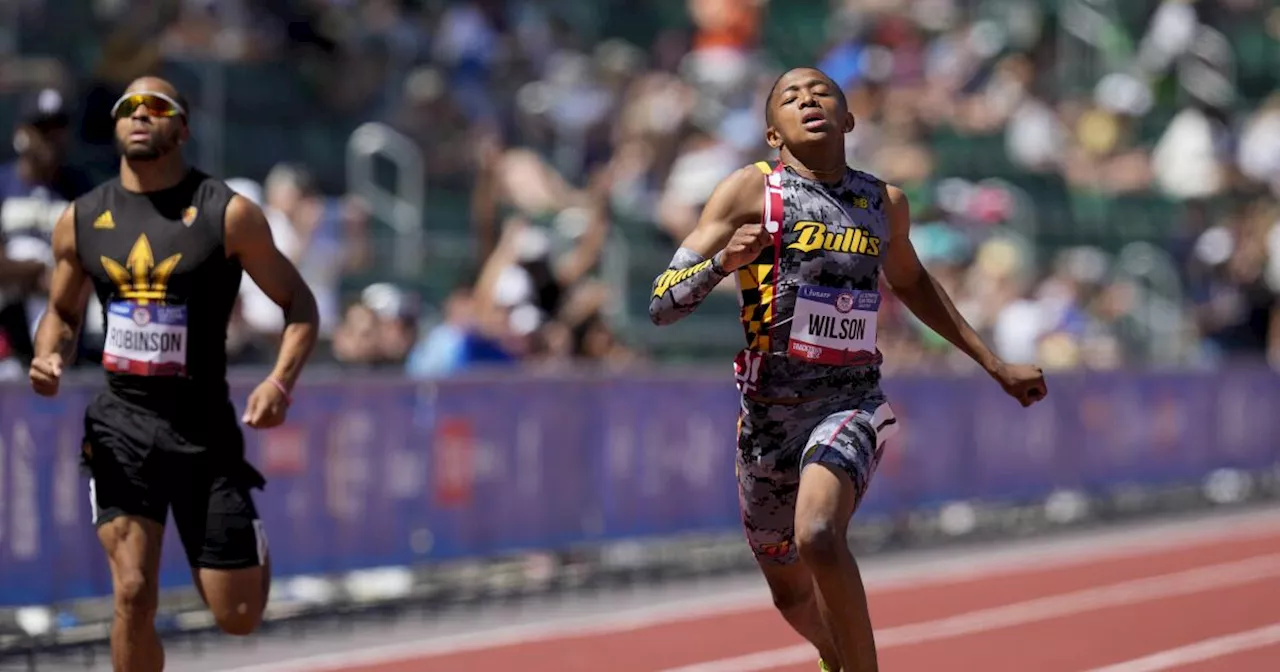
834	326
844	302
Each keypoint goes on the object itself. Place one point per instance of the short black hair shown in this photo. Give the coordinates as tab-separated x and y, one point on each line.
773	90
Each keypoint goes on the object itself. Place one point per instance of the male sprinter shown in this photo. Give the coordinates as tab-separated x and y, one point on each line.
807	240
164	245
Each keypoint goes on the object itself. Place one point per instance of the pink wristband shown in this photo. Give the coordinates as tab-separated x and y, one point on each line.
283	390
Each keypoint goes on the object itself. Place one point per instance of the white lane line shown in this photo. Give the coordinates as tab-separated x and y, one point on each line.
1041	609
970	565
1207	649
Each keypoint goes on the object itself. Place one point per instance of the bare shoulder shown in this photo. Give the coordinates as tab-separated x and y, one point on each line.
751	176
898	210
896	196
246	225
751	179
244	216
64	233
737	201
740	196
243	210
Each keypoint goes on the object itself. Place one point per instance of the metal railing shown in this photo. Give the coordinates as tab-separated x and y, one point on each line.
1160	299
402	208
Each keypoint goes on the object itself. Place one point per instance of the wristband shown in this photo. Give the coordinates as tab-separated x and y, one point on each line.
288	399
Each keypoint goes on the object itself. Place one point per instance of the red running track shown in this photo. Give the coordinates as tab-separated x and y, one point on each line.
1199	604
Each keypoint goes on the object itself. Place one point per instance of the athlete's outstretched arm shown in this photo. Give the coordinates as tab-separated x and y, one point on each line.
59	327
728	236
920	292
249	240
927	300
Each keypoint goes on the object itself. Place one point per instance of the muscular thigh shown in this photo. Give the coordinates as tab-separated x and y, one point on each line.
770	441
851	441
133	548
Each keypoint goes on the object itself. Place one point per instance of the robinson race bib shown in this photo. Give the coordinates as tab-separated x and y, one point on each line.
834	326
145	340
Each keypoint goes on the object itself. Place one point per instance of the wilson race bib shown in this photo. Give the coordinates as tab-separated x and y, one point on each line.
834	326
145	340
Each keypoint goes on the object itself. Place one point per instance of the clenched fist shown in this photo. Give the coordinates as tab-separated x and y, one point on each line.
1023	382
746	244
267	406
46	374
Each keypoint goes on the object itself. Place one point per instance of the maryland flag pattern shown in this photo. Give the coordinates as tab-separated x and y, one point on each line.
831	235
756	280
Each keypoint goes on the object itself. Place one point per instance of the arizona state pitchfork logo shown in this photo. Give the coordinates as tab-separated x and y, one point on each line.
141	279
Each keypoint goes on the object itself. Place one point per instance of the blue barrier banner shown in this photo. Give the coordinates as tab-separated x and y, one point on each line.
378	473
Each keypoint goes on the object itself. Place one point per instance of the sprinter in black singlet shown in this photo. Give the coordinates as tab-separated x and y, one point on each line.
163	246
808	240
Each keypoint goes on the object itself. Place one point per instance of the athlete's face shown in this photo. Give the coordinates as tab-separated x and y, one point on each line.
149	124
805	108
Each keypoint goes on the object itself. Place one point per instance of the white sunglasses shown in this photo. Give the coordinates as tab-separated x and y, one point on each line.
158	104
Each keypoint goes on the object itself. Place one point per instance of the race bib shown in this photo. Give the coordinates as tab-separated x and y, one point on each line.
834	326
145	340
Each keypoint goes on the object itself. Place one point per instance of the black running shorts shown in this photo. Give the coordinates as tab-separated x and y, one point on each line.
141	464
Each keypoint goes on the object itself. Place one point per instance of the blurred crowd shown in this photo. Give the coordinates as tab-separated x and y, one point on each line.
568	143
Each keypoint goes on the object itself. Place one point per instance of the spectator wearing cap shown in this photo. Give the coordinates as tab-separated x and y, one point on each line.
378	330
355	341
35	189
397	318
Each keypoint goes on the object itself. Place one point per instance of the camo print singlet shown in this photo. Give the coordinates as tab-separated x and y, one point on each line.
829	237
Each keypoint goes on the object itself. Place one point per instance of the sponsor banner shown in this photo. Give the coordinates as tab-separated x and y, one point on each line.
377	473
